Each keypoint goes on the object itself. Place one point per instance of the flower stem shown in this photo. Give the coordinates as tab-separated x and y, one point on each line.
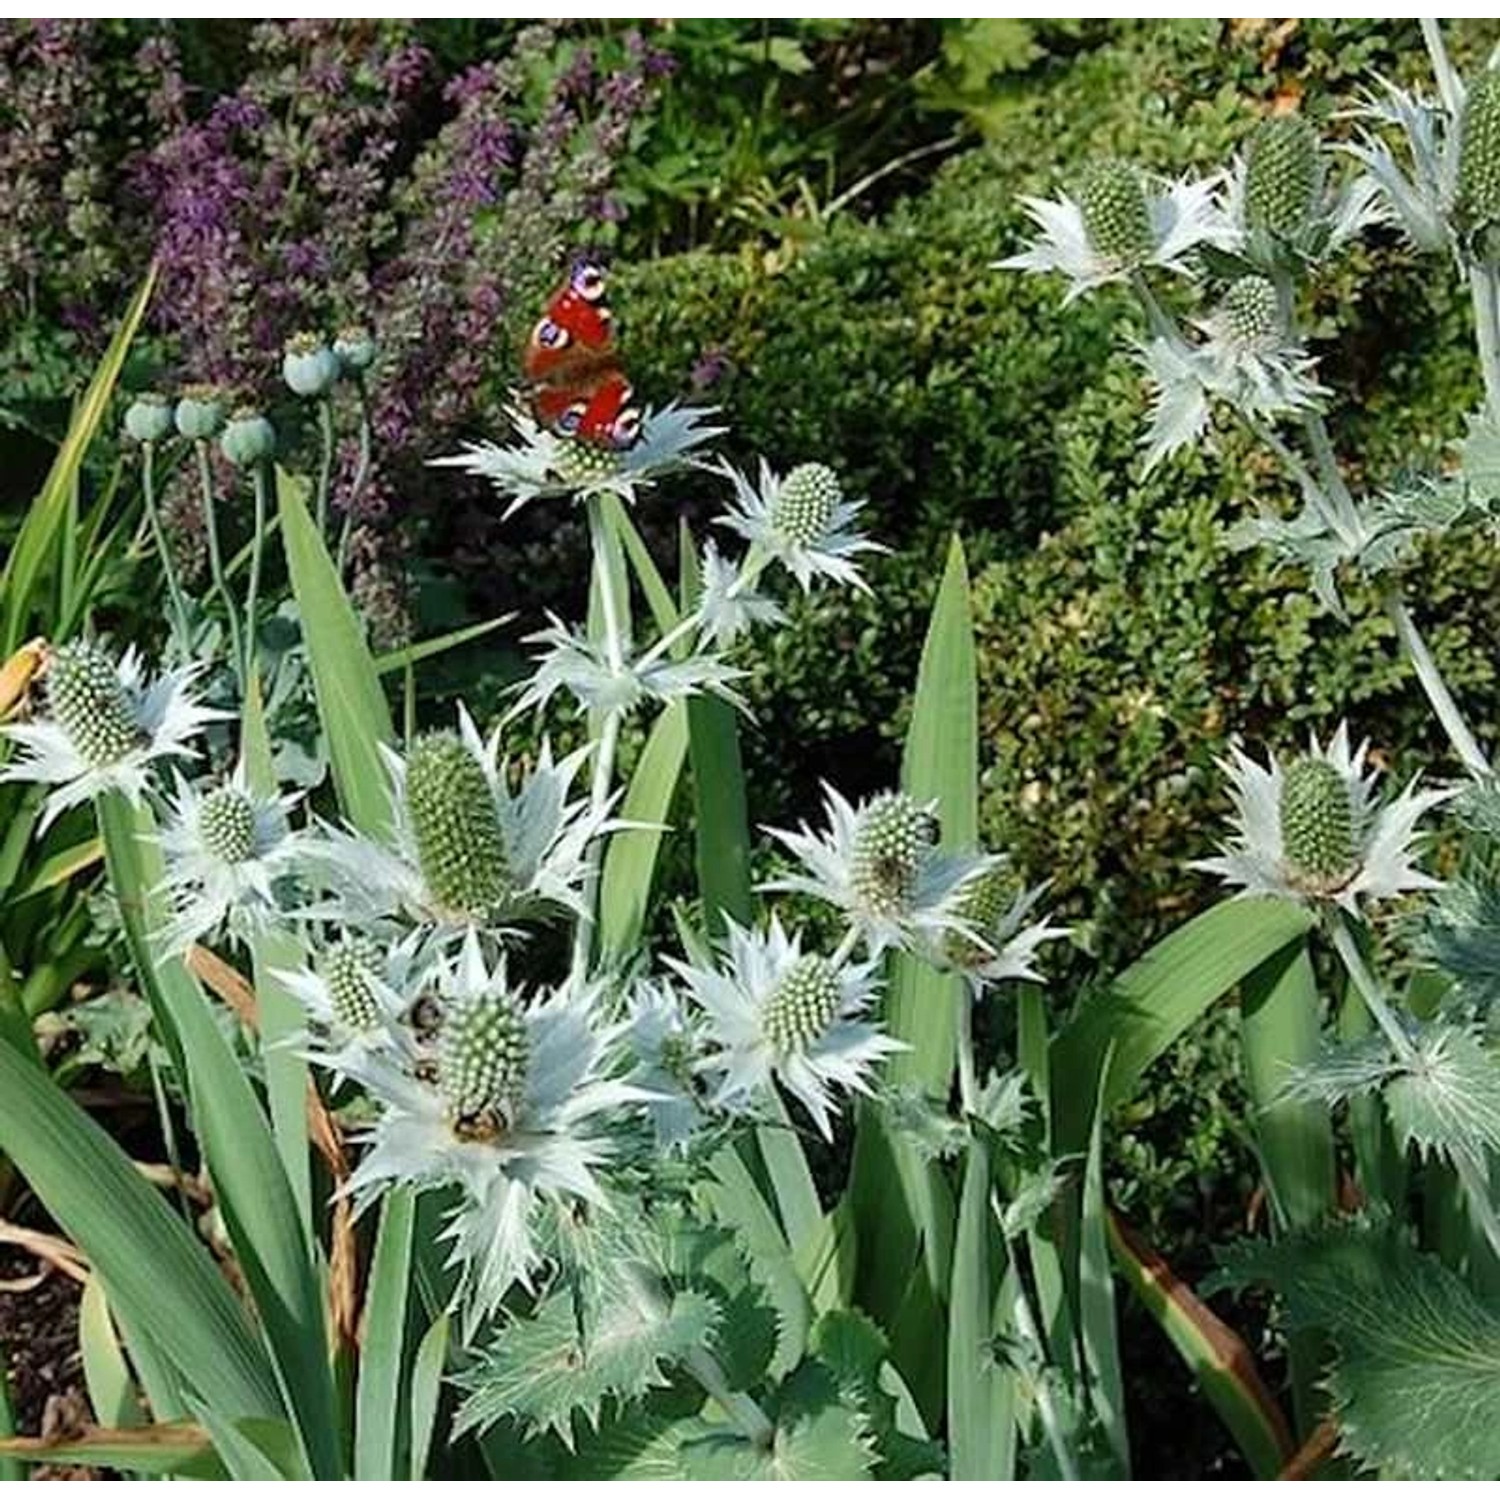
1428	674
604	578
325	461
604	766
361	474
1476	1185
216	559
742	1409
1447	79
1347	947
968	1074
159	538
257	547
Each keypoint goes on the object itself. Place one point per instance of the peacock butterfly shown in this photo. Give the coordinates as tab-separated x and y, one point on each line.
578	388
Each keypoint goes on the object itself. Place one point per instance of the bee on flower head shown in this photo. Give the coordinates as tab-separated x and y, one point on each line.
19	675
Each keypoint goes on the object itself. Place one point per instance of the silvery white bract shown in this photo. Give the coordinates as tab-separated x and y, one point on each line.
602	681
540	463
1382	836
1418	197
545	834
220	877
831	553
774	1014
665	1040
728	605
921	915
1183	215
162	715
546	1156
1005	947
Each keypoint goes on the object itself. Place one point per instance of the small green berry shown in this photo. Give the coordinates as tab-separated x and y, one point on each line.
346	968
805	502
802	1006
87	698
483	1054
1317	824
892	835
1282	176
226	824
1116	218
460	844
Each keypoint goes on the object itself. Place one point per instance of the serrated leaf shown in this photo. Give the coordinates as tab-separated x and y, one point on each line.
1340	1072
541	1372
1416	1384
1448	1099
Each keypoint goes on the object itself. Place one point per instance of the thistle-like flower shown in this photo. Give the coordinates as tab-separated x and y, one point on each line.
515	1114
465	850
801	520
1000	943
541	463
728	605
1477	199
1314	830
602	681
227	851
880	864
665	1040
1248	359
1119	222
105	725
775	1013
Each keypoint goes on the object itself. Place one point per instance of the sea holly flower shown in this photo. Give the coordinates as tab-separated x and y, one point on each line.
601	682
516	1115
1477	198
802	521
105	726
666	1041
774	1014
541	463
880	864
1119	222
465	850
999	943
1314	830
728	605
227	850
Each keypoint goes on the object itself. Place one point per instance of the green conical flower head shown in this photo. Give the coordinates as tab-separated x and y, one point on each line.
891	836
87	698
1252	311
482	1057
1317	821
346	968
1479	155
583	464
226	824
460	845
1281	176
803	1004
805	503
981	906
1115	216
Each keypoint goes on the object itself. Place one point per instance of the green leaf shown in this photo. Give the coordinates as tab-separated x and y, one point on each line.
1157	998
378	1402
11	1468
658	595
426	1387
1416	1385
351	703
1447	1098
254	1449
418	651
1097	1322
112	1392
47	518
540	1371
167	1448
158	1274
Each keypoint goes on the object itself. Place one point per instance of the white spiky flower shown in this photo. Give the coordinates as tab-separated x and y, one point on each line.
1418	195
880	864
774	1014
1119	222
605	681
106	725
541	463
516	1116
802	520
228	850
1002	943
464	849
1314	830
665	1040
728	606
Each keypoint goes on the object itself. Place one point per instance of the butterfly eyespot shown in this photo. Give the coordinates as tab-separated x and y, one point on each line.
588	282
551	336
626	428
568	423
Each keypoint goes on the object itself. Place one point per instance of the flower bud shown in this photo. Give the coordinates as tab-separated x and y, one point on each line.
354	349
200	413
460	844
483	1052
308	365
892	834
1282	176
248	440
803	1004
345	969
1317	823
1116	217
805	502
1478	199
1252	312
148	419
88	700
226	824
